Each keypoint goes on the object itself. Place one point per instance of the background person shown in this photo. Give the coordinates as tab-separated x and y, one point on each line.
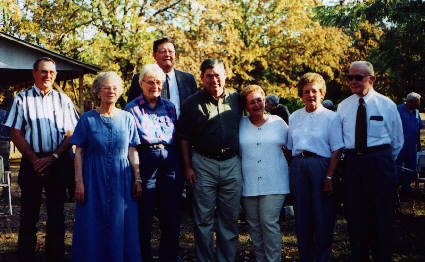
412	124
160	164
178	85
107	179
315	138
265	179
274	108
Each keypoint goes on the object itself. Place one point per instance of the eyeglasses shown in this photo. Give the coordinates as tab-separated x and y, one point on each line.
357	77
166	51
153	83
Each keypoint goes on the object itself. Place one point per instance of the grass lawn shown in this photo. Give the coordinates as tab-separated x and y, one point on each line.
409	233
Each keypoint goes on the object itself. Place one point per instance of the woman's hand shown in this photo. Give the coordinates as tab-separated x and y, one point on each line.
79	193
137	189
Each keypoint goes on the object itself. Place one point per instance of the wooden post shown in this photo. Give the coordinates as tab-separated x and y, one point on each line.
80	87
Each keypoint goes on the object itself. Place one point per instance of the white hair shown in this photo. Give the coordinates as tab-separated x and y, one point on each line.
152	69
365	64
413	96
107	76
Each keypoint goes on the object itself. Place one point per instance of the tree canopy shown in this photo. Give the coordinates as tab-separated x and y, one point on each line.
267	42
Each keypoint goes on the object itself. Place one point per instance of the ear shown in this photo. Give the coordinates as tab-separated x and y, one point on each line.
372	79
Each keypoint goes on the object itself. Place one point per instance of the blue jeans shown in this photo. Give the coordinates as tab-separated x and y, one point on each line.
162	183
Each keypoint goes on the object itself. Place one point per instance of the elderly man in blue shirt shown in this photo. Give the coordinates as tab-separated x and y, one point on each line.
412	125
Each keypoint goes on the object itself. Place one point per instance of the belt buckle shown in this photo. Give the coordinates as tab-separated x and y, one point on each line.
159	146
302	153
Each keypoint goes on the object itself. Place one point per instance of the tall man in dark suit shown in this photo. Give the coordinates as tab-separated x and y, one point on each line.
178	85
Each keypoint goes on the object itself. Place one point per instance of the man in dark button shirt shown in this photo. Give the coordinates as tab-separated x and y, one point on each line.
209	126
274	108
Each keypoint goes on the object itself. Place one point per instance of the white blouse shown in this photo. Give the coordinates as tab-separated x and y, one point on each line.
319	132
264	167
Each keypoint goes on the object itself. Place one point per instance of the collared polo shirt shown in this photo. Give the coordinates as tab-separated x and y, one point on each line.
383	121
154	125
211	125
42	119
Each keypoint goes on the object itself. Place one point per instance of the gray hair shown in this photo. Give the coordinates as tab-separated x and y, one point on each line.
272	100
413	96
365	64
106	76
152	69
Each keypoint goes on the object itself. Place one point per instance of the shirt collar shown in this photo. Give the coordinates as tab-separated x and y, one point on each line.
319	109
142	102
171	75
368	96
38	91
212	99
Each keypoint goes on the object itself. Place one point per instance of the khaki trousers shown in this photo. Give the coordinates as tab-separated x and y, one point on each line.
218	188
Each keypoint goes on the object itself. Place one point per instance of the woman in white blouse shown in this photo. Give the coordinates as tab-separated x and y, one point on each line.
265	178
315	139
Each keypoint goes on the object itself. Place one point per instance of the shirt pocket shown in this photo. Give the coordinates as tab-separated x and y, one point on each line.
376	128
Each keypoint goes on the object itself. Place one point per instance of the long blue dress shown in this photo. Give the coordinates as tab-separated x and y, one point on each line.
106	225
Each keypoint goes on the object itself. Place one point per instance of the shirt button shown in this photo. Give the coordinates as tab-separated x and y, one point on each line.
258	143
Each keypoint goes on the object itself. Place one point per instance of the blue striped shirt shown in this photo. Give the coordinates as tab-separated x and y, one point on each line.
154	125
43	120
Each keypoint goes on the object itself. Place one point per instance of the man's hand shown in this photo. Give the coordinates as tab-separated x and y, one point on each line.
190	176
327	187
42	163
137	189
79	192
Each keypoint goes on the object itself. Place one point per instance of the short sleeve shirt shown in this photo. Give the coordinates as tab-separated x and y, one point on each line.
210	125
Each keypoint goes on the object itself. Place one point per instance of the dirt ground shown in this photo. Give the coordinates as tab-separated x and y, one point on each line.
409	233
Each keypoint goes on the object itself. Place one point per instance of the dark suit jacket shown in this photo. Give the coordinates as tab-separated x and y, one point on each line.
185	82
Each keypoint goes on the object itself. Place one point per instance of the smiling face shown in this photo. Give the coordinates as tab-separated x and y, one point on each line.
311	96
45	75
255	103
109	92
165	56
151	86
361	86
214	80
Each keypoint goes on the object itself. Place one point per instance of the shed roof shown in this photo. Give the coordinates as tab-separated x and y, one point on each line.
17	58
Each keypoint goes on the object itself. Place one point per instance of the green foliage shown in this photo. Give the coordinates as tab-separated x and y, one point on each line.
399	56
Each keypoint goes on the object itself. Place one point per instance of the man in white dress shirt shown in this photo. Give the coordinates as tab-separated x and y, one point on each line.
373	137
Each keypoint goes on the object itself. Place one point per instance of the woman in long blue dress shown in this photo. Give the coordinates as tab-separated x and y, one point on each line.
107	179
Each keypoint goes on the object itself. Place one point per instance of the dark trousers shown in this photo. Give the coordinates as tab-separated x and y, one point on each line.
370	182
31	189
162	183
314	211
5	153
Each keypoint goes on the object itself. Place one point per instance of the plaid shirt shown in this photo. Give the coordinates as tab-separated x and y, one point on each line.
154	125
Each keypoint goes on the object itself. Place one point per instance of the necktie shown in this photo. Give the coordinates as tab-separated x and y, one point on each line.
361	128
165	93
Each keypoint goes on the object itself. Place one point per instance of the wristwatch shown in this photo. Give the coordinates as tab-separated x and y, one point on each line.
328	177
55	155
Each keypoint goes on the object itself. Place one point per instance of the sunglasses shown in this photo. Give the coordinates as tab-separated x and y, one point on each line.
357	77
